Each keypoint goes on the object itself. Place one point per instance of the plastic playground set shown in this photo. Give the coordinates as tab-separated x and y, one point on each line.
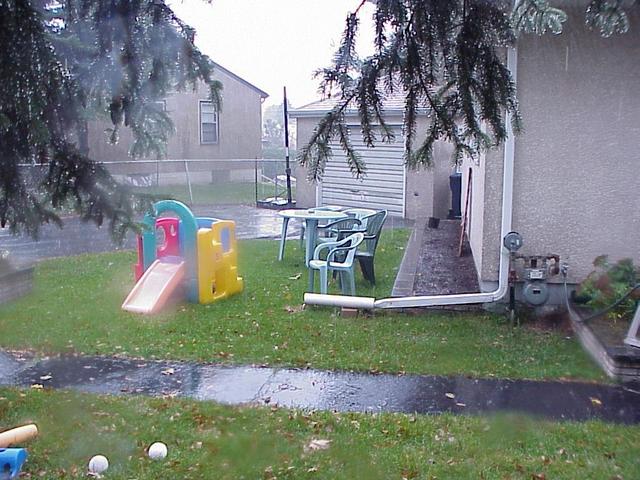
195	255
11	458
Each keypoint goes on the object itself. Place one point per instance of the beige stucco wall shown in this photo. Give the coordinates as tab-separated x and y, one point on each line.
240	126
442	168
577	166
305	190
475	205
427	190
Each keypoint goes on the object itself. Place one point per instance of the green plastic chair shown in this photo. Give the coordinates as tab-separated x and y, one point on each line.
339	229
360	213
303	226
344	266
367	251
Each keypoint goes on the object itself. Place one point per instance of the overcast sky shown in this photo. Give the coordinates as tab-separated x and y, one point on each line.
272	43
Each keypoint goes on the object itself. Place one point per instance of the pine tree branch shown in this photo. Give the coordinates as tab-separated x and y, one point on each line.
65	63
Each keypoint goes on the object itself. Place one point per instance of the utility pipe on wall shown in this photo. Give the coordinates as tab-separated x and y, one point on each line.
370	303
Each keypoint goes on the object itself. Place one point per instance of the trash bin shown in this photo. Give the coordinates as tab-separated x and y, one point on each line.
455	183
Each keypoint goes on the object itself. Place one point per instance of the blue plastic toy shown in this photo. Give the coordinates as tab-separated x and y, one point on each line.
11	461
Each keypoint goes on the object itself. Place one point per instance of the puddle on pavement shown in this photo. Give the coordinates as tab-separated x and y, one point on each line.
320	390
11	365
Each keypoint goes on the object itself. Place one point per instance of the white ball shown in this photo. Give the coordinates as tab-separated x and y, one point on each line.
98	464
157	451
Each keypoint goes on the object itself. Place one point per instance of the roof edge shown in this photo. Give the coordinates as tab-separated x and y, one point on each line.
299	113
235	76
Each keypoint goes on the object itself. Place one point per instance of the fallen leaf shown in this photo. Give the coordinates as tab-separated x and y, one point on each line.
460	404
268	472
409	473
317	444
595	401
449	395
46	377
37	386
296	276
296	309
168	371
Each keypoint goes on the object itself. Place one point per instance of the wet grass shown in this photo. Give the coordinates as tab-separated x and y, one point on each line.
207	441
75	307
215	194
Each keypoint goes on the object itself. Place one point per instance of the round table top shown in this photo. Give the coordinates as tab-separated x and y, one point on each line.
312	213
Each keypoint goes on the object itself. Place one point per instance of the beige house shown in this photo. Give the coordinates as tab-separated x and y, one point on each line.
577	163
201	132
388	183
576	188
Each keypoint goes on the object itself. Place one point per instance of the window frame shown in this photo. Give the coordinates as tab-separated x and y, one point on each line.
201	123
161	104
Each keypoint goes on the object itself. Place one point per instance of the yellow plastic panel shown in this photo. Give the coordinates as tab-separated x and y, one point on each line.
217	268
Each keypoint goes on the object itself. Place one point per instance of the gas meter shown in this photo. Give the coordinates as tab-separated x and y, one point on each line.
536	271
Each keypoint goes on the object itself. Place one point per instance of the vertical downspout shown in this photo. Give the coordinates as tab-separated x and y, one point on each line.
505	227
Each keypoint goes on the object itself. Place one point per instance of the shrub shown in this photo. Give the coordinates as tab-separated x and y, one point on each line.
610	282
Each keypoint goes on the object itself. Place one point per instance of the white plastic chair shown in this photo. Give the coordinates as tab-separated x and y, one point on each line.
346	247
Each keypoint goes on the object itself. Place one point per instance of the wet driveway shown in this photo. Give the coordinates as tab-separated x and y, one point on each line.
321	390
79	237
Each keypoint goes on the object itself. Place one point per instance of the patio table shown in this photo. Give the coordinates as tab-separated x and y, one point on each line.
311	217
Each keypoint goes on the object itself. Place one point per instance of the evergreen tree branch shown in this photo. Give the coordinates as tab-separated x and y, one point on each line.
608	17
537	16
64	63
446	58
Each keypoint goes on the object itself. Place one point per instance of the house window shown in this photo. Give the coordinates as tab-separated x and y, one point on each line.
208	123
160	105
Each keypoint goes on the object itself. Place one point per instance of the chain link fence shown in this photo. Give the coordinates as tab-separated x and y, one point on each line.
197	182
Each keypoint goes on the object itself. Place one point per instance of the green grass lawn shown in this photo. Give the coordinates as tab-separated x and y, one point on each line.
209	441
215	194
224	193
75	307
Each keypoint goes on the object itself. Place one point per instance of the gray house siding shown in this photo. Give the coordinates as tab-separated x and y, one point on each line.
239	121
426	190
577	166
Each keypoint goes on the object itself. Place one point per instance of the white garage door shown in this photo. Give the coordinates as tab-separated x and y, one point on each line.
383	186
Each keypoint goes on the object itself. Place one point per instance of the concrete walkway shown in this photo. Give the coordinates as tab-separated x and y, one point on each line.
324	390
431	265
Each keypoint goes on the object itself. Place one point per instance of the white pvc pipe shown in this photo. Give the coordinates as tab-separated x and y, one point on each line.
455	299
361	303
